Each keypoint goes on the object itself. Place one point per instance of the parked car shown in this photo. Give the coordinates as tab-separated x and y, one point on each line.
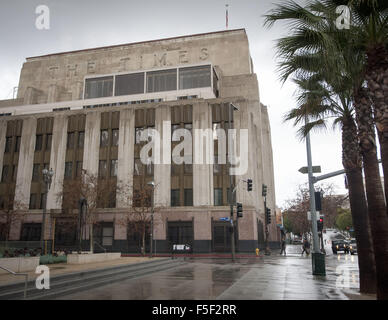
340	245
353	246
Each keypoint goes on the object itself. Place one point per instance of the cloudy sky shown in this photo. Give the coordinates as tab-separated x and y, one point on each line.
92	23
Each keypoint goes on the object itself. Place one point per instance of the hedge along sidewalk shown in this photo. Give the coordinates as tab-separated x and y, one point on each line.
64	268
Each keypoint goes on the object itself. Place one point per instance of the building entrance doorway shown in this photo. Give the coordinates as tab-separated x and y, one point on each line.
221	237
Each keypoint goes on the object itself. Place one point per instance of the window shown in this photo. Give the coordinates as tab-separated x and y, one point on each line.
115	137
175	201
175	169
194	77
14	172
33	201
8	144
68	170
70	140
81	139
102	169
38	143
188	197
104	138
113	168
138	132
99	87
35	172
78	169
164	80
31	232
17	144
218	197
107	236
174	127
129	84
4	175
180	232
48	141
42	201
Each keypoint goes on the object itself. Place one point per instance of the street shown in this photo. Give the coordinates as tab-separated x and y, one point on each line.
272	277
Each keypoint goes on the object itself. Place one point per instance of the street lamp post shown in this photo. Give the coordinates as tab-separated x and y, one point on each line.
318	258
232	107
47	178
152	183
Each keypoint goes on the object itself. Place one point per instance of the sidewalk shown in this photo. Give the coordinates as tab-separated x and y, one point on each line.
64	268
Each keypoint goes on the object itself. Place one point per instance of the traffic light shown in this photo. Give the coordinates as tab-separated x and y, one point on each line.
320	224
239	210
264	191
268	215
249	184
318	201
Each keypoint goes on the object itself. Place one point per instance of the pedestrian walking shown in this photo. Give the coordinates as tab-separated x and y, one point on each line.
283	246
306	247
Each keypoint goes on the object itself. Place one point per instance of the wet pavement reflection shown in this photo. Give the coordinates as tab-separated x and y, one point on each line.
269	277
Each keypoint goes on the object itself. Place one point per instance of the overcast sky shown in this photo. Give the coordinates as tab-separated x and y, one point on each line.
92	23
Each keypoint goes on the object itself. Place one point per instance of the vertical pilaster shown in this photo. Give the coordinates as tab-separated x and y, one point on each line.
3	134
57	161
125	158
92	143
25	164
203	194
162	171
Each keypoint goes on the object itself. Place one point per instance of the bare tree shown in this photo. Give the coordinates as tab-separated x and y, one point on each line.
9	216
98	193
138	217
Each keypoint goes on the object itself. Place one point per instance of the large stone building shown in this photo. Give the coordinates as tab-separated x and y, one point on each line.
84	111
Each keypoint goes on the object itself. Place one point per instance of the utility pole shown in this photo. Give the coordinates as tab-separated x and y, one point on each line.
318	258
47	177
152	184
231	184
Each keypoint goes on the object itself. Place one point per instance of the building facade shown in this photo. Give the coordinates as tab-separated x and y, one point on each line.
86	111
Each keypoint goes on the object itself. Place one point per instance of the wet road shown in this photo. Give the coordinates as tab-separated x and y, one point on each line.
269	277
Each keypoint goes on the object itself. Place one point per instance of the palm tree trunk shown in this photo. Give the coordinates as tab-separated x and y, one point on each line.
375	196
352	163
377	77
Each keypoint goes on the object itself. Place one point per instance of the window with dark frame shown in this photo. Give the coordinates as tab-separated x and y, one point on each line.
113	167
115	137
102	169
194	77
127	84
68	170
33	201
81	139
78	169
175	198
162	80
99	87
17	143
39	142
36	172
188	197
218	201
104	138
70	140
8	144
49	138
4	174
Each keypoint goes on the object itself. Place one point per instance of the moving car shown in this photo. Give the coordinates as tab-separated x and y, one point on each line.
353	246
340	245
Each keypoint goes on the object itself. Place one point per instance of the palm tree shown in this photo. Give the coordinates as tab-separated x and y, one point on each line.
370	26
321	105
315	47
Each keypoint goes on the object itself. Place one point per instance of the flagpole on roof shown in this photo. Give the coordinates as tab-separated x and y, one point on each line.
226	17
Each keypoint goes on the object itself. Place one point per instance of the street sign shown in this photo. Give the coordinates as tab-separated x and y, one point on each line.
316	169
318	215
225	219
